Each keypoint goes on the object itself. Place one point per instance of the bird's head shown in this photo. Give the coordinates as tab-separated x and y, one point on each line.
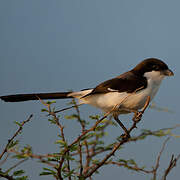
153	67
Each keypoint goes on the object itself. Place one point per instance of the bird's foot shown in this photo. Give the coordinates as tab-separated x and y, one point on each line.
137	116
125	136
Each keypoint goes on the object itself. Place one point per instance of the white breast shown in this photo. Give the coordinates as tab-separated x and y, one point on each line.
136	101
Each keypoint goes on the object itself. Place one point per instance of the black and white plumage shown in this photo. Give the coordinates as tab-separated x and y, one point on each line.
129	91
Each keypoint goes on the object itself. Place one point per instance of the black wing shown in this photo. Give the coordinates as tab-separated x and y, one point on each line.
127	82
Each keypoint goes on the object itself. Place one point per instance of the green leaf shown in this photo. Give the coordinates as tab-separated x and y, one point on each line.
27	149
161	133
52	121
123	160
61	142
18	173
20	156
73	148
131	161
94	117
44	110
22	178
12	144
50	102
95	161
81	178
70	117
69	174
47	171
18	123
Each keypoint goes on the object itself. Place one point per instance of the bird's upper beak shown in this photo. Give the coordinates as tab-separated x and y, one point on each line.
168	72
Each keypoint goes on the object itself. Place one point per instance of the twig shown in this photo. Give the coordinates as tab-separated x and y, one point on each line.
6	176
92	151
53	113
135	167
158	158
106	158
68	167
15	134
76	106
85	141
4	160
80	160
36	156
141	135
17	164
70	107
172	164
78	139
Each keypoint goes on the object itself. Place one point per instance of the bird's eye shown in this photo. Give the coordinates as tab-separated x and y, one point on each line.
155	67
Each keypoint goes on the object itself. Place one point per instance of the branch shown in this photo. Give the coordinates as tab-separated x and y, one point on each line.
67	149
135	167
158	133
172	164
4	175
15	134
80	160
106	158
158	158
70	107
36	156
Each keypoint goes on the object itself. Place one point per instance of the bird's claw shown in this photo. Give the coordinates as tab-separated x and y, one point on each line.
137	116
125	136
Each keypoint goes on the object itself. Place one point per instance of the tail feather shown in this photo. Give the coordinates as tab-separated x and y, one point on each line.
35	96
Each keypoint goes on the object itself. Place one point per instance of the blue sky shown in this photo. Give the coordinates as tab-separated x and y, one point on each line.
59	45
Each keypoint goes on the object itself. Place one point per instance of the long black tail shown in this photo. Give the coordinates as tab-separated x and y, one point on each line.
35	96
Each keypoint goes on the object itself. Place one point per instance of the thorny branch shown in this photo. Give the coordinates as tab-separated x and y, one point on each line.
86	152
67	149
40	157
6	150
80	160
4	175
15	134
154	170
53	114
84	132
172	164
89	170
132	167
158	159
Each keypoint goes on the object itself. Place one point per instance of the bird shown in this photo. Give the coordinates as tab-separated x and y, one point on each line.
123	94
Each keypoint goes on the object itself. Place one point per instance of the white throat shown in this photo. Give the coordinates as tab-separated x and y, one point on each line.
154	76
154	79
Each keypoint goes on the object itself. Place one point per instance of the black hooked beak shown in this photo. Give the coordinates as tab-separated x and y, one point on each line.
168	72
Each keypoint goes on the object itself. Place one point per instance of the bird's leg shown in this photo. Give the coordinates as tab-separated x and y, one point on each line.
138	114
122	126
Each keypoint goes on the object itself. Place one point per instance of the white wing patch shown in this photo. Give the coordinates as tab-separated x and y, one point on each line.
112	90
